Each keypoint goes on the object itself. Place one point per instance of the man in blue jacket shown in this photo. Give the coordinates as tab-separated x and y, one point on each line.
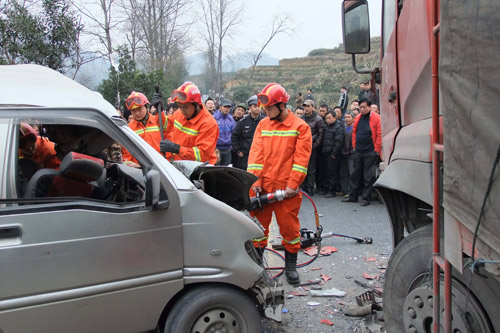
226	126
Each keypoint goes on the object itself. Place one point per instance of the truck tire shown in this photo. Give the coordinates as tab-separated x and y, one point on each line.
213	309
408	276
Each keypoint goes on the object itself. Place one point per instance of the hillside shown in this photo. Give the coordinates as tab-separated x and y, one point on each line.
323	70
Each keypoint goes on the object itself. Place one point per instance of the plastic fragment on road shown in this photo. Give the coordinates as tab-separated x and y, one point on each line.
371	276
333	292
325	250
370	259
315	269
325	277
313	303
298	293
326	322
285	310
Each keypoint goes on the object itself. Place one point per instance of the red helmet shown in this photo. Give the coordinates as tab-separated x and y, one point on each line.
187	93
135	100
272	94
27	134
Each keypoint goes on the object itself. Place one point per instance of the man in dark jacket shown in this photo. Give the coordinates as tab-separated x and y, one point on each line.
343	99
347	163
332	151
317	130
242	136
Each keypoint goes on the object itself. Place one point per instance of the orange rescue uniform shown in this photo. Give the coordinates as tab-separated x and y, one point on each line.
279	156
197	136
149	132
45	154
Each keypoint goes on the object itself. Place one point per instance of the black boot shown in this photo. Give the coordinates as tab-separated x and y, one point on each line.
291	274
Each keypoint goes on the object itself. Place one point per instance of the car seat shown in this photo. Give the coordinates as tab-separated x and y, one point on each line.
77	177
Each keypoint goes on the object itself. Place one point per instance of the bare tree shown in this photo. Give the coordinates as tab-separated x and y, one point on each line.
219	18
280	25
157	33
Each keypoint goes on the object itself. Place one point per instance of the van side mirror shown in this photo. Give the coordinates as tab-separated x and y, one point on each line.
152	188
356	26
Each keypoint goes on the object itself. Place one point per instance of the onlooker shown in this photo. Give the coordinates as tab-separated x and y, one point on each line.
343	99
242	136
226	125
355	112
239	111
317	131
375	108
354	104
332	151
363	90
337	112
366	142
299	112
321	182
210	105
310	95
346	164
299	100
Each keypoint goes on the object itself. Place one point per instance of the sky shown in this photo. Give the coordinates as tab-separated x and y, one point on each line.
318	24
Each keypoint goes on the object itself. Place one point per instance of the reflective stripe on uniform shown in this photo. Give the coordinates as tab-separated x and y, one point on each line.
152	129
262	239
255	167
166	123
299	168
186	130
293	241
280	133
197	156
139	131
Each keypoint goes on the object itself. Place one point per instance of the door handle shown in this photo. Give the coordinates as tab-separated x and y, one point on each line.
10	232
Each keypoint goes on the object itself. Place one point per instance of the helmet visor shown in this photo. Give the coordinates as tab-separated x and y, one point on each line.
264	100
134	102
179	96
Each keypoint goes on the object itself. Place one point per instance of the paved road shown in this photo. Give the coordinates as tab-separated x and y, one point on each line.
344	266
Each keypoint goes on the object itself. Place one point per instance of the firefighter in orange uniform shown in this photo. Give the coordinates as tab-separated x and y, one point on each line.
279	157
193	132
36	148
144	124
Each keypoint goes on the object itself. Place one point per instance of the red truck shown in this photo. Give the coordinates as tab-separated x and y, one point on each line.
439	87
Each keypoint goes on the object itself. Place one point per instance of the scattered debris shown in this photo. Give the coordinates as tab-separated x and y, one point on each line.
298	293
370	259
316	269
371	276
363	311
325	250
326	322
310	282
313	303
365	298
325	277
333	292
320	215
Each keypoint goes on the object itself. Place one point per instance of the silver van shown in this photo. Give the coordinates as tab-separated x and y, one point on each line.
102	247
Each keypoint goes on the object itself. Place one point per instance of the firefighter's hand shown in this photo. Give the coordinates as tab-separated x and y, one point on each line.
156	100
290	192
132	164
240	154
257	189
167	146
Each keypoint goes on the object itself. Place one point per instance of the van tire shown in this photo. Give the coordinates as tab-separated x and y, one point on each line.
214	306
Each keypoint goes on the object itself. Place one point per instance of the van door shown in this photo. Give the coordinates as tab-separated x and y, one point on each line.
80	264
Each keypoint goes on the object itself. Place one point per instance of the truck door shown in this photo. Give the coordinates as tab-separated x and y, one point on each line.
389	104
80	264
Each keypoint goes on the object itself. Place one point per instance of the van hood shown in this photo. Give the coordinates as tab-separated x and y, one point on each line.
227	184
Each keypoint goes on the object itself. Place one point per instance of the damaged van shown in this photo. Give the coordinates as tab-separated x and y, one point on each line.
95	246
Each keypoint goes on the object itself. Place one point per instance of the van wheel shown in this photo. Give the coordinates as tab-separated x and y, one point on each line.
408	292
214	309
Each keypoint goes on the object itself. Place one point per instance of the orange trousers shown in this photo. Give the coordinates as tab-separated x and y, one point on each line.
287	216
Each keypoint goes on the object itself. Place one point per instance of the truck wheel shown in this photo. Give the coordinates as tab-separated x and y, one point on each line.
408	292
214	309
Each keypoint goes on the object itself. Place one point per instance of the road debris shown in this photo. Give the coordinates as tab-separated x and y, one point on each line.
371	276
325	277
313	303
326	322
332	292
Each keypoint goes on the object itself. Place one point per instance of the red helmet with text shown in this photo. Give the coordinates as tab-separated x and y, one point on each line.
135	100
187	93
272	94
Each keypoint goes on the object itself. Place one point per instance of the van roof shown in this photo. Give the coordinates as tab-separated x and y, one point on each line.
35	85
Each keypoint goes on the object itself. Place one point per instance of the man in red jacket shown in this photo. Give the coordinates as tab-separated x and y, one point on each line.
367	144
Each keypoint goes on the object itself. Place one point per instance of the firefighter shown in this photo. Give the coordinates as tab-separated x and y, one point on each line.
193	132
279	156
144	124
38	149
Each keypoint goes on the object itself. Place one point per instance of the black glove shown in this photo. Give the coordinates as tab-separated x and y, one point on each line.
167	146
157	99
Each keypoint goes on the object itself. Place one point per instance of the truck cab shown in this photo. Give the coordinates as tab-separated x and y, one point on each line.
97	246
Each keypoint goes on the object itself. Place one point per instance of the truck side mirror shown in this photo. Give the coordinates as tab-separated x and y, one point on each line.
356	26
152	188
